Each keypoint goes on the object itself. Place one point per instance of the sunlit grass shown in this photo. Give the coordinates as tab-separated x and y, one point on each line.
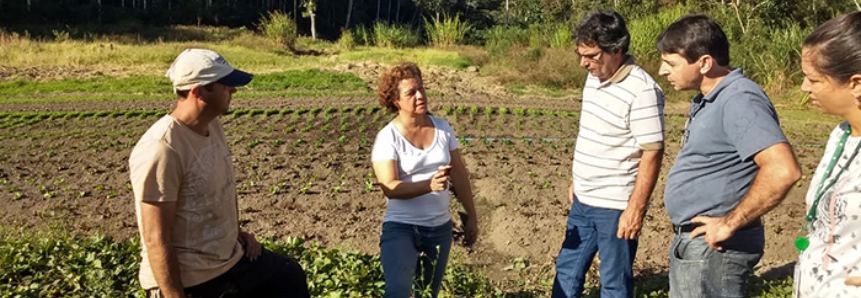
298	80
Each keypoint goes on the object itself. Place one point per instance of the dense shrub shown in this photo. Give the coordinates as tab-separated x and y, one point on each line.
280	28
347	40
447	32
395	36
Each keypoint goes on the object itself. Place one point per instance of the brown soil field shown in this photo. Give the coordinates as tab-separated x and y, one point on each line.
307	175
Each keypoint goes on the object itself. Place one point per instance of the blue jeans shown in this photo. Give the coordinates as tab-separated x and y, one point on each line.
410	250
590	230
696	270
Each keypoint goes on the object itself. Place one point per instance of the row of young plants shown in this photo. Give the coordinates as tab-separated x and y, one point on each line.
56	264
11	120
448	110
360	119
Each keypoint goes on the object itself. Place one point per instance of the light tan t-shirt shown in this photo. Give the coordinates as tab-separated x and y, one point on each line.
173	163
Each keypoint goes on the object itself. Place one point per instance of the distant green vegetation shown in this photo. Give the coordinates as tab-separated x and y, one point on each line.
299	80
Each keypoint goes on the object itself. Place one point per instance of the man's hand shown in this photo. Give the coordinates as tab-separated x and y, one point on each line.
471	230
715	228
630	223
853	281
253	249
571	194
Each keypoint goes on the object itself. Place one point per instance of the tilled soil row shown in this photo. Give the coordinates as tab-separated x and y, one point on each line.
436	102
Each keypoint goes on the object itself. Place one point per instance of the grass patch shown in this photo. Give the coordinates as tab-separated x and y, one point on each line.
552	68
247	51
421	56
310	79
296	79
540	90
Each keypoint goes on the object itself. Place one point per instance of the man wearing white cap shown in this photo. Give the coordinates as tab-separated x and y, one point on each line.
185	197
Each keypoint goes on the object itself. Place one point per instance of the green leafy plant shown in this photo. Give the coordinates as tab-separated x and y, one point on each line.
254	143
369	185
447	31
394	36
237	141
280	28
486	142
307	187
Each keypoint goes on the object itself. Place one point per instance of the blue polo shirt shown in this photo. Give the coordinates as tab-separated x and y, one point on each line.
715	168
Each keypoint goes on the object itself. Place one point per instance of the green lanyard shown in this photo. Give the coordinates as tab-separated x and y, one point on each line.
802	242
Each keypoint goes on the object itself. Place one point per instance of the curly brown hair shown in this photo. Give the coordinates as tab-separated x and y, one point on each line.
388	91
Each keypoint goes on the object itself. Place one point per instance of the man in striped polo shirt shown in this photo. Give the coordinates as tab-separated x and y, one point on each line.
616	161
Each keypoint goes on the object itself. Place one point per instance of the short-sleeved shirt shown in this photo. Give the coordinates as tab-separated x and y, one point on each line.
824	266
414	164
618	116
715	168
172	163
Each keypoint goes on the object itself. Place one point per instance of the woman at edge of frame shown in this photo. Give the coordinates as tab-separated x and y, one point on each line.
830	261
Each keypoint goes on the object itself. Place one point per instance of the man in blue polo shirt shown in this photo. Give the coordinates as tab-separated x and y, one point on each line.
735	164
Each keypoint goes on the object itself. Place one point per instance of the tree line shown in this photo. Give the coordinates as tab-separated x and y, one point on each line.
330	16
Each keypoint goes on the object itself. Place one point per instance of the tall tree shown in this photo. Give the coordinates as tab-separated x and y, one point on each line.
349	13
310	12
398	13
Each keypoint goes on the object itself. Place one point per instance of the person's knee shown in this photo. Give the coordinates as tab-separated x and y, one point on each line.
285	267
294	269
398	288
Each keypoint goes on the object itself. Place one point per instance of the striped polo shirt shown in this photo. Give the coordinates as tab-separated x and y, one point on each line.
620	118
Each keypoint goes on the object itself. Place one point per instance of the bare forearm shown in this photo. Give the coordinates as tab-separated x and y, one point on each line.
769	188
647	177
165	268
460	182
405	190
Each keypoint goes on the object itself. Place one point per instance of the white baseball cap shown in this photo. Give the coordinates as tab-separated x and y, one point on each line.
195	67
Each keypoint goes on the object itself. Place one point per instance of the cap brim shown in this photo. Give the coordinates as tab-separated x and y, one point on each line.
236	78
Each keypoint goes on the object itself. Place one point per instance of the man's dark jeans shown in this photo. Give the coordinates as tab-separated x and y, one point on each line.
270	275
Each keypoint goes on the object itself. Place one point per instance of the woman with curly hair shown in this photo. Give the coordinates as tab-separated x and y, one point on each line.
416	159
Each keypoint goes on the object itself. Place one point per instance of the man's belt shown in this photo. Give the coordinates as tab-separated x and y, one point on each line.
691	226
